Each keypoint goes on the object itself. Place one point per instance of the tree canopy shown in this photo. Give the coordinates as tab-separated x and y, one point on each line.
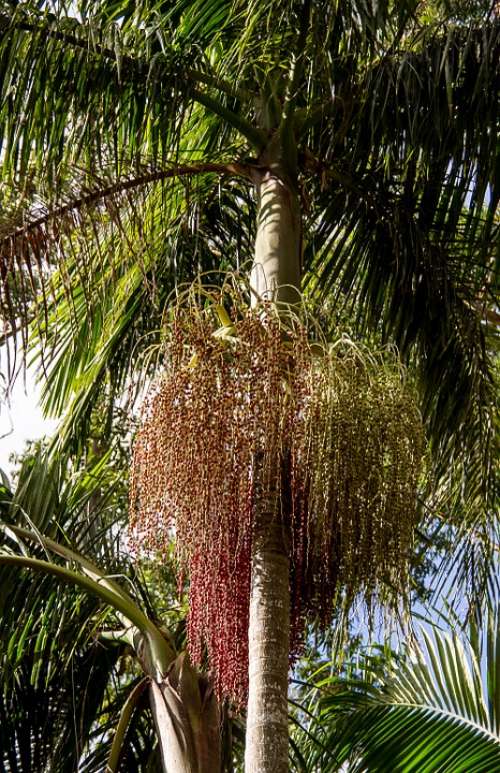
133	137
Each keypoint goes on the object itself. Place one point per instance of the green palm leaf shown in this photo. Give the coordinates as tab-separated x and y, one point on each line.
436	709
62	689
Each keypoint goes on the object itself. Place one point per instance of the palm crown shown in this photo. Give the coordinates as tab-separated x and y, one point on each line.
130	133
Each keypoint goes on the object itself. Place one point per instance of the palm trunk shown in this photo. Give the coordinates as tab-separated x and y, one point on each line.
184	708
276	269
186	716
275	276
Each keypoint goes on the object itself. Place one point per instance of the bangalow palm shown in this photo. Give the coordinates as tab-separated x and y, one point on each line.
341	157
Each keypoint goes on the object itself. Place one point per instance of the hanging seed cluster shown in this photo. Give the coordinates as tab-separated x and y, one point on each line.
253	413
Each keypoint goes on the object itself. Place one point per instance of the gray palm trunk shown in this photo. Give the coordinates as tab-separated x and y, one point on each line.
275	276
186	717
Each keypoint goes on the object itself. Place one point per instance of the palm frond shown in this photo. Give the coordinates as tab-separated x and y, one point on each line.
437	709
93	228
144	82
404	233
61	688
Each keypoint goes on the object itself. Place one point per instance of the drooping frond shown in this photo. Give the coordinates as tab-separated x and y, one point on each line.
103	235
408	228
436	709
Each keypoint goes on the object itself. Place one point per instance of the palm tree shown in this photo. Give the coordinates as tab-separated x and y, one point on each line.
350	146
68	700
45	625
